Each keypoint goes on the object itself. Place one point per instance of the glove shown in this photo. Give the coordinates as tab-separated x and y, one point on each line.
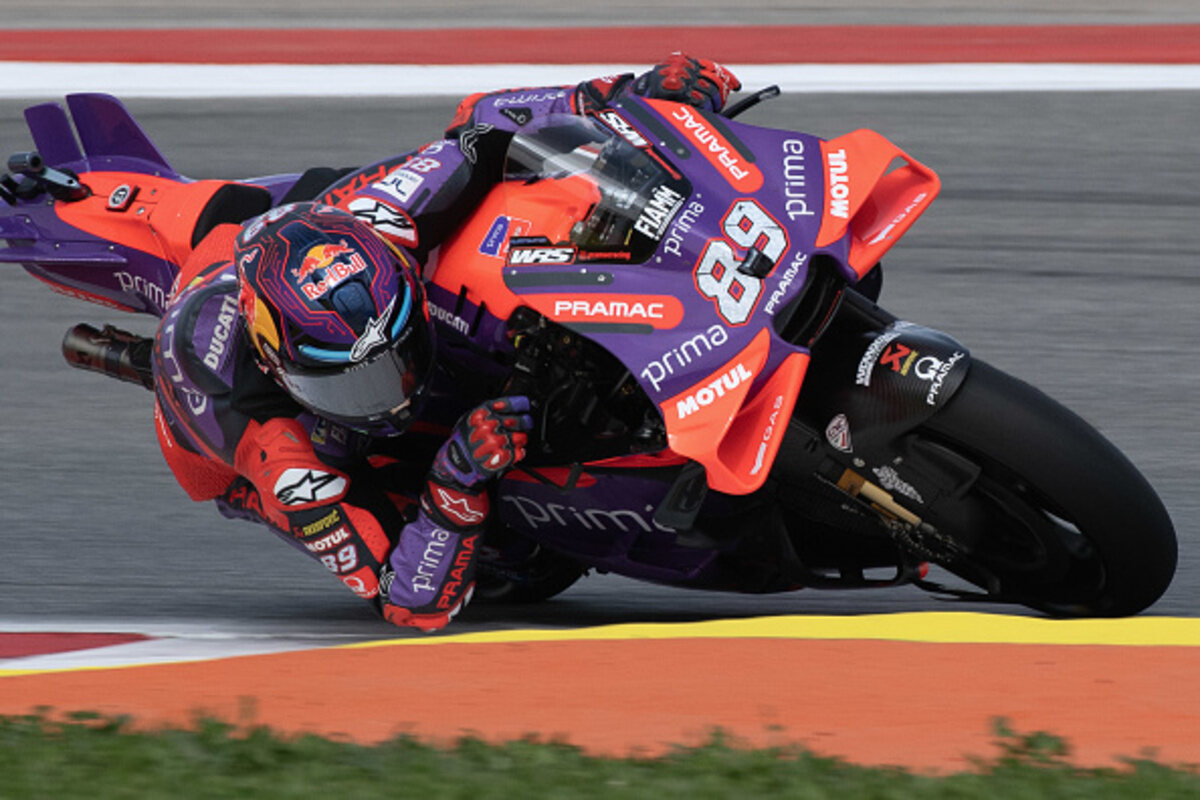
485	442
430	575
696	81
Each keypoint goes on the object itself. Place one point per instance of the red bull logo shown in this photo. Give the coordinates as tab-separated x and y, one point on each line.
320	256
325	266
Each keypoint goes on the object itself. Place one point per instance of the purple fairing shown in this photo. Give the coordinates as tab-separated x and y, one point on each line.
790	200
421	563
609	524
73	261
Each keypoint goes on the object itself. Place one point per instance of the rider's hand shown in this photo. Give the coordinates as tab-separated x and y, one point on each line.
696	81
485	443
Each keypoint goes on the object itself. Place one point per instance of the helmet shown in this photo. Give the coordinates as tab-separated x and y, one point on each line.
336	315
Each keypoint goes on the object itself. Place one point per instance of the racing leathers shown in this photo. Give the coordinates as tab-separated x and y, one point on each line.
231	434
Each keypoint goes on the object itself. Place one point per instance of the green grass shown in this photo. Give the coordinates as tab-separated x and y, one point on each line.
94	757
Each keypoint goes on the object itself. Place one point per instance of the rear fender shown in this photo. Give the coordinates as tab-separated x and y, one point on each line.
123	245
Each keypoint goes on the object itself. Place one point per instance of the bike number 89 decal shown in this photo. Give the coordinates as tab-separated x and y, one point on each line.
748	226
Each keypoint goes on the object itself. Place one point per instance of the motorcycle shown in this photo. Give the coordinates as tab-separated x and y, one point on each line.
690	303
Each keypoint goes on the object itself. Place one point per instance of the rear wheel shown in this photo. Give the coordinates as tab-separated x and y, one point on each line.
1057	518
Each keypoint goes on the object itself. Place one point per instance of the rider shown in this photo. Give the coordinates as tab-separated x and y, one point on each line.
296	344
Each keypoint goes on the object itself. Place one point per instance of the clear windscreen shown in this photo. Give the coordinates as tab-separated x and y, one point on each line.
634	194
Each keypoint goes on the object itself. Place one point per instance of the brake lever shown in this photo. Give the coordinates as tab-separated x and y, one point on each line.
747	103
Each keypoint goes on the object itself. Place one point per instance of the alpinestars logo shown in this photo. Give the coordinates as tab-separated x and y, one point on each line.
373	336
469	138
299	486
458	508
386	219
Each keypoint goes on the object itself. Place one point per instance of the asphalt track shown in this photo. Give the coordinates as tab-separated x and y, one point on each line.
1063	249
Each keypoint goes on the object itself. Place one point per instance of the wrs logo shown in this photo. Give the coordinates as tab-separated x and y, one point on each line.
541	255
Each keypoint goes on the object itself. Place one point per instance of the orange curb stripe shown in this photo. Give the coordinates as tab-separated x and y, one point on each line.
920	705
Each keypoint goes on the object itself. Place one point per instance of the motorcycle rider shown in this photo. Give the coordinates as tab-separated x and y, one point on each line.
298	344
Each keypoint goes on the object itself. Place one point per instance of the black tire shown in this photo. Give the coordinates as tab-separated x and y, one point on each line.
1059	518
536	575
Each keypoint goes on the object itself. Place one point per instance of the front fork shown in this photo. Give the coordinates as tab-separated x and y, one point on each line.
872	382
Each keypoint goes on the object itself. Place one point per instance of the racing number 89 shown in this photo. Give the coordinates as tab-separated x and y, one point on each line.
344	561
735	294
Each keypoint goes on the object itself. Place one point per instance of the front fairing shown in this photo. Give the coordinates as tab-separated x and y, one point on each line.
721	223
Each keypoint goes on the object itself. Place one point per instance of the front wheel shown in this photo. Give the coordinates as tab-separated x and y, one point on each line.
1057	518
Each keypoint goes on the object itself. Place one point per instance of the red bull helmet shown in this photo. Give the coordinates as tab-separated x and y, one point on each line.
336	315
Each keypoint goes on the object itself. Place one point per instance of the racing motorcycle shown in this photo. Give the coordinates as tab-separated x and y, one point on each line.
689	301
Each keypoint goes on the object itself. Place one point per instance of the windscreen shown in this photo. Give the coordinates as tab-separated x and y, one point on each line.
634	194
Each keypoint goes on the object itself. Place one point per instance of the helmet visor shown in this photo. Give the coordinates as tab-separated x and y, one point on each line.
383	388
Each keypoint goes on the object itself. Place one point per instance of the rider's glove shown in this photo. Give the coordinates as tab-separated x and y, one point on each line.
485	442
696	81
430	574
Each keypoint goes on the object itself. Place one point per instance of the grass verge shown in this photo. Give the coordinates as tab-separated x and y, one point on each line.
96	757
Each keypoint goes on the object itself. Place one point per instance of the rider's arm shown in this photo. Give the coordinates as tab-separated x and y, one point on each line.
431	573
424	575
679	77
339	516
422	198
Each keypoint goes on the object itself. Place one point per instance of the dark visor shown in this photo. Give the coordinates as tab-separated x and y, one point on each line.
382	387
